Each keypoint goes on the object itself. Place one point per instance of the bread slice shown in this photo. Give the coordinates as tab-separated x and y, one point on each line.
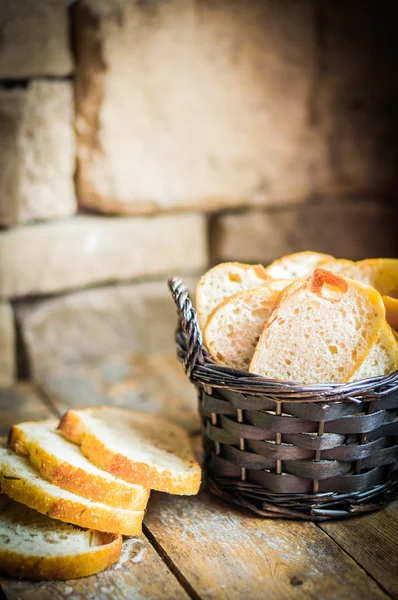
391	306
62	463
337	265
222	281
298	265
141	448
382	358
380	273
235	325
321	332
21	482
33	546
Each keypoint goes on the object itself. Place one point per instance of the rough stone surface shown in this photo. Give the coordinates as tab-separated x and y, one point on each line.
37	158
34	39
154	384
20	402
51	257
349	229
7	345
194	104
90	325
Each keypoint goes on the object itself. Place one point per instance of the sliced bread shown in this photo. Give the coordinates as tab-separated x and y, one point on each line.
223	281
337	265
321	332
33	546
382	358
21	482
62	463
380	273
298	265
391	306
139	447
235	325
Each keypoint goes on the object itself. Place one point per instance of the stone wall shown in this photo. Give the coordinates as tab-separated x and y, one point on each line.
144	139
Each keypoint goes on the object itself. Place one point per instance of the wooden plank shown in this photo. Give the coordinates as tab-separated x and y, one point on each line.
156	384
20	403
148	579
226	555
372	540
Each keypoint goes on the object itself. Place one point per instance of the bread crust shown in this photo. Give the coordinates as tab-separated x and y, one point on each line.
75	479
391	306
102	518
64	566
97	452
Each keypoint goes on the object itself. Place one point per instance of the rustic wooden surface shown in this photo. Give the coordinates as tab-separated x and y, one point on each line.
201	548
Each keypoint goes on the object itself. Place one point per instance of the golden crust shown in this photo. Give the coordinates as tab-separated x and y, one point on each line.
117	464
77	480
63	567
102	518
391	306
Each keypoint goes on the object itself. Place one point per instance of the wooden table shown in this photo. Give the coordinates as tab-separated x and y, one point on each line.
200	548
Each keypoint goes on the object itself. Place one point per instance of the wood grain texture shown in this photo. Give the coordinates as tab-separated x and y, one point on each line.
372	541
224	554
21	403
154	384
148	579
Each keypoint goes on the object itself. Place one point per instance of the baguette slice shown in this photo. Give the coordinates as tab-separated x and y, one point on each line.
224	280
235	325
298	265
391	306
138	447
21	482
380	273
338	265
33	546
321	332
382	358
62	463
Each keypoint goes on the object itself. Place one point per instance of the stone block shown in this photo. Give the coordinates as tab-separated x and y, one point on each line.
87	250
34	39
7	345
37	157
344	228
187	104
91	325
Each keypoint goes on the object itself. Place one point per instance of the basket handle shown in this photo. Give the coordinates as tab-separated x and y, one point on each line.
189	324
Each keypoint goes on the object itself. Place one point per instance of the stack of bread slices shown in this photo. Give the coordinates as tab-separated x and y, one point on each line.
71	489
306	318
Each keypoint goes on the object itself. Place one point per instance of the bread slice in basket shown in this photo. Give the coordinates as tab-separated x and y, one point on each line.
321	332
382	358
235	325
33	546
298	265
382	274
141	448
21	482
223	281
62	463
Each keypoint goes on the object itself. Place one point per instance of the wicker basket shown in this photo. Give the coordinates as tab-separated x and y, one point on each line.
281	449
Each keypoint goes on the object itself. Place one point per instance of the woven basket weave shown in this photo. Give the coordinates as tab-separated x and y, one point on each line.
282	449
